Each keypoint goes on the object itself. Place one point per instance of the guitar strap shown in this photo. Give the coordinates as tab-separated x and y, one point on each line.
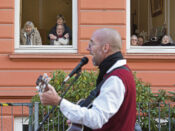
94	93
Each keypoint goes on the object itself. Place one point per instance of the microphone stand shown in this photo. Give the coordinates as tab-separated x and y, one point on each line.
53	108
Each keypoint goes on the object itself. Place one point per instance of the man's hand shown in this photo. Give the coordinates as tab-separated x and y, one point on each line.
66	35
52	37
68	122
50	97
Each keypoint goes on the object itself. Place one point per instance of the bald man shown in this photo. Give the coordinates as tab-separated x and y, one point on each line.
114	109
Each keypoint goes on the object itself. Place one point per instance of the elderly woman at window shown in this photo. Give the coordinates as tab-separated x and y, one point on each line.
30	35
59	39
134	40
167	41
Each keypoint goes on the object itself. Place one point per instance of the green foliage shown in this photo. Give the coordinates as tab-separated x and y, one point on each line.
149	104
172	96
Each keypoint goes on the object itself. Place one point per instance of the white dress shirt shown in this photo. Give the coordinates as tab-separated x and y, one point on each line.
105	105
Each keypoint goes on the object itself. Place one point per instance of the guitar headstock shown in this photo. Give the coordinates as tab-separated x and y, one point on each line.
42	82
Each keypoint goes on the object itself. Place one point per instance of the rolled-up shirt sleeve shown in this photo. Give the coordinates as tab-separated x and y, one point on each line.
103	108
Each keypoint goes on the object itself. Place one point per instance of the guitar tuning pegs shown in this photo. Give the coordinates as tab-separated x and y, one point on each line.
46	78
42	82
39	80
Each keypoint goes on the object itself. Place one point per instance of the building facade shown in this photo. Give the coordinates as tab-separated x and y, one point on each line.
21	65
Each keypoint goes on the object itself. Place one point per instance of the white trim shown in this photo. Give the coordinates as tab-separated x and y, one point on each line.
17	24
128	24
144	49
46	49
151	49
75	23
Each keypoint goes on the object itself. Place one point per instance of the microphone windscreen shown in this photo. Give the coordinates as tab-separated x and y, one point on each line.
85	60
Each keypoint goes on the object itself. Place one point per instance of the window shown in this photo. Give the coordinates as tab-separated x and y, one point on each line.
43	14
151	21
21	124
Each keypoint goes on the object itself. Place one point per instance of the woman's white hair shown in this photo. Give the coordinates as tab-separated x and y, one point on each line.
169	37
29	23
134	36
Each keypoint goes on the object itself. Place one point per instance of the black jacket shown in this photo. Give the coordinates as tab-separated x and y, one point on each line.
168	44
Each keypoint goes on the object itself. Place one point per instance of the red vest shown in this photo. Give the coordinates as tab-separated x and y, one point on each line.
125	118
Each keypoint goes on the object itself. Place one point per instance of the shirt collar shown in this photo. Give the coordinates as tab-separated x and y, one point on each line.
117	64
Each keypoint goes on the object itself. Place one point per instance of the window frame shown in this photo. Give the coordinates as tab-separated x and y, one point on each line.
143	49
45	48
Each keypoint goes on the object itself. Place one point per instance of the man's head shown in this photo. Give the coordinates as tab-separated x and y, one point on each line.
28	27
104	42
60	30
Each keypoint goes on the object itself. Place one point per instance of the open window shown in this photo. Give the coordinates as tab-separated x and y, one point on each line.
150	19
43	14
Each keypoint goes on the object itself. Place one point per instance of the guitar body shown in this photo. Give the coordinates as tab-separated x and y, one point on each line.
78	127
75	127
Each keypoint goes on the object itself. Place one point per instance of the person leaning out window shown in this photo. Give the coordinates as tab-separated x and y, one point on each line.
30	35
140	40
134	40
167	41
60	21
59	39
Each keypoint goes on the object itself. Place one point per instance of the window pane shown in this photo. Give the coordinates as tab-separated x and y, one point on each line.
43	14
150	22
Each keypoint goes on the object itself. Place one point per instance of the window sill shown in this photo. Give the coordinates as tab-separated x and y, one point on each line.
16	56
150	56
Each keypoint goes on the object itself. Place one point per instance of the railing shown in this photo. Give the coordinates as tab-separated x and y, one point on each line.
151	116
8	109
156	116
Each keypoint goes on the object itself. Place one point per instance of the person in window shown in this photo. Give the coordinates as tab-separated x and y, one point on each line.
67	32
30	35
167	41
140	40
59	39
114	108
134	40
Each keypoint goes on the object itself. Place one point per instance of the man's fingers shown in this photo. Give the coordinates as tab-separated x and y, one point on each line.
43	98
51	87
68	122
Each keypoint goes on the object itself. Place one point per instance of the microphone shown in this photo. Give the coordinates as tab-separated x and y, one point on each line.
83	61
